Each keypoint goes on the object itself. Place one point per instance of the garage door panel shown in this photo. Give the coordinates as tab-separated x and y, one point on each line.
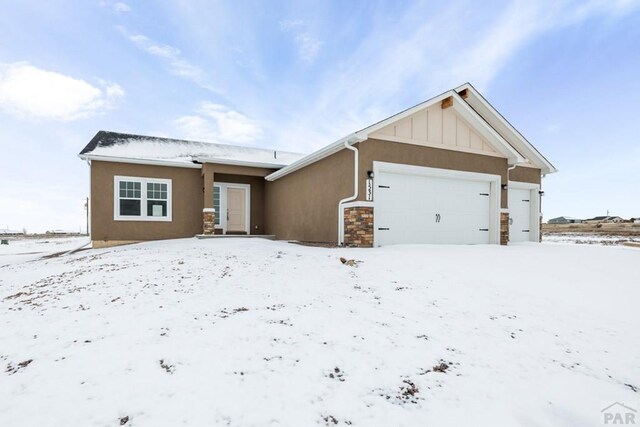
427	209
520	215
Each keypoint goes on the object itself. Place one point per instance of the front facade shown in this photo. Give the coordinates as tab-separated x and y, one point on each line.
447	171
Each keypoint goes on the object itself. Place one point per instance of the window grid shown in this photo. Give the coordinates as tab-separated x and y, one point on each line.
130	190
132	203
156	191
216	204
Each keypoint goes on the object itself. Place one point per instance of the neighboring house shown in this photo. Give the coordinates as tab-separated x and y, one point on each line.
604	219
635	220
7	232
564	220
450	170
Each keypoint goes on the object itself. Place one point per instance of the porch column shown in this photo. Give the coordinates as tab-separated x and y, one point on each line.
504	227
358	225
208	212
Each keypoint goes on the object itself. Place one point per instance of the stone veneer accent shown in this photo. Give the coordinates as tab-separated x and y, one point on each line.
208	221
540	229
504	228
358	226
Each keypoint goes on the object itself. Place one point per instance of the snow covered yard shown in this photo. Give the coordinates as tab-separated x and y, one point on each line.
253	332
27	248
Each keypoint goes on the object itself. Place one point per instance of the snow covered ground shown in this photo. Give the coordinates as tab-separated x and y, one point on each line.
254	332
27	248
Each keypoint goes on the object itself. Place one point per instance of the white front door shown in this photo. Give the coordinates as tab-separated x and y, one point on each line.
232	204
520	205
236	212
412	208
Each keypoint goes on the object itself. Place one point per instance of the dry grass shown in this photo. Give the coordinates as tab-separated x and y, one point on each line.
623	229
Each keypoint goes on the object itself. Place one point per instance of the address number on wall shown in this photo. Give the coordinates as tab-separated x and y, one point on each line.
369	192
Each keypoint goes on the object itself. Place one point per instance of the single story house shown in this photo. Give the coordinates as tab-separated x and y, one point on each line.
450	170
565	220
604	219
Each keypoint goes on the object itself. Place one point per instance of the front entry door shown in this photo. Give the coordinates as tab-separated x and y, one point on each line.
236	210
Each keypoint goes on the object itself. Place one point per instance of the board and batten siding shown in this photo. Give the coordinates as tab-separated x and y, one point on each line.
436	127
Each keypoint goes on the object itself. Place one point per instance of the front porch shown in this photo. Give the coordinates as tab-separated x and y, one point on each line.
236	236
233	200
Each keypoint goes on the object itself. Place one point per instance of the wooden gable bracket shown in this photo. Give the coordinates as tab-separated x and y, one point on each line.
464	93
447	102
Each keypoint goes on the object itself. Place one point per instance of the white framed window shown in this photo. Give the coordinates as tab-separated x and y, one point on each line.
216	203
141	199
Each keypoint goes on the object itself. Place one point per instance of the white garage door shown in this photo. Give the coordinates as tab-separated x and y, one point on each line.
519	215
425	209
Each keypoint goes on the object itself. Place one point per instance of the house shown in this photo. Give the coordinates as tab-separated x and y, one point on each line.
8	232
450	170
604	219
635	220
564	220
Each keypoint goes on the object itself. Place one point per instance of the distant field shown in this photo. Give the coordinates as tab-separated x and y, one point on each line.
624	229
606	234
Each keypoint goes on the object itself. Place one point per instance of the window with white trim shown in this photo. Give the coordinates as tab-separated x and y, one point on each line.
216	203
142	199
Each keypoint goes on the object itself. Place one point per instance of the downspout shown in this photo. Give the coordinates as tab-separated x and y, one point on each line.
89	204
351	198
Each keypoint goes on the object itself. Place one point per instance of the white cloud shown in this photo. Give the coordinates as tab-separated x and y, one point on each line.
218	123
308	45
121	7
30	92
421	55
289	25
171	55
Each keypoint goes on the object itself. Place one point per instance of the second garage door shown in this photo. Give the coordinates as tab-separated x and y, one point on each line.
413	208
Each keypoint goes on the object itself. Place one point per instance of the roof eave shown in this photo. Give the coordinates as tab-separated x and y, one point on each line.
546	167
153	162
315	156
239	163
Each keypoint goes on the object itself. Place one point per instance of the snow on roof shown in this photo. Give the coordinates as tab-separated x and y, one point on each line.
112	144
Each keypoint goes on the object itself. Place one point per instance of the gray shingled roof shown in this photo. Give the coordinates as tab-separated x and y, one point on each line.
122	145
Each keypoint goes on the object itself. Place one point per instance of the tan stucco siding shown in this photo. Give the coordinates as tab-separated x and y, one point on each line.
257	184
304	204
524	174
395	152
186	203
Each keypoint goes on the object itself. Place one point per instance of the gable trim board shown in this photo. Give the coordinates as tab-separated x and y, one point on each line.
452	146
459	104
502	125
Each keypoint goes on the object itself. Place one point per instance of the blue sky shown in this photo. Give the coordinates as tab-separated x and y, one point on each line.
298	75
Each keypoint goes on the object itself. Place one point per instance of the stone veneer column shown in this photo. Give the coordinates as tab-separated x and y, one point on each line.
504	228
540	229
358	226
208	221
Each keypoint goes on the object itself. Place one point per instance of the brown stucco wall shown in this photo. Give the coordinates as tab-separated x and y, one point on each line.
186	203
396	152
210	169
304	204
257	197
521	174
